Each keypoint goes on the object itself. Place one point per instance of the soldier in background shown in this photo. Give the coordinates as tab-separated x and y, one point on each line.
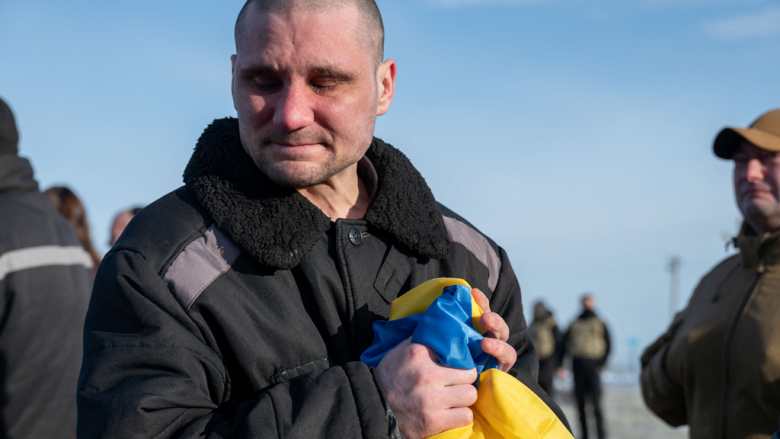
717	366
546	338
587	343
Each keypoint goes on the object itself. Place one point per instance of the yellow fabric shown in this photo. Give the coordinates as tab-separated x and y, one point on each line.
419	298
505	407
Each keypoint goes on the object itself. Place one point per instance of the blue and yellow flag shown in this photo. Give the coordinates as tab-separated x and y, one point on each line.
442	315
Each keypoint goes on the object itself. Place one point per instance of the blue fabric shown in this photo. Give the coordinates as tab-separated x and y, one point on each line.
444	327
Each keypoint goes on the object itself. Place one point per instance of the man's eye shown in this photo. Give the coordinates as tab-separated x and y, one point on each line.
267	84
324	83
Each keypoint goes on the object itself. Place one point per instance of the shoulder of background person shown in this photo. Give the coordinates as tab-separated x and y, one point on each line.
29	220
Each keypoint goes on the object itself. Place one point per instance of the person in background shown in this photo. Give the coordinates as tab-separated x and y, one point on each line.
45	282
588	344
546	338
717	367
121	220
69	205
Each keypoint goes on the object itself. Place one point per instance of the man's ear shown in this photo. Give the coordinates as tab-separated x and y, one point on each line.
233	79
385	77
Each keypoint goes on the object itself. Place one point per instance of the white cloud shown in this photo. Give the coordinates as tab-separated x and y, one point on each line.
763	24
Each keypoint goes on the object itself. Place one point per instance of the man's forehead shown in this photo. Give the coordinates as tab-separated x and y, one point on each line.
747	146
296	24
302	41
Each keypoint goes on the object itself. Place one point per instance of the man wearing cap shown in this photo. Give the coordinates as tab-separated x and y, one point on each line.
717	367
45	280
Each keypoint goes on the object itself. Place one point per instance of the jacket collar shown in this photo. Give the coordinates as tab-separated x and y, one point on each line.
277	226
757	251
16	174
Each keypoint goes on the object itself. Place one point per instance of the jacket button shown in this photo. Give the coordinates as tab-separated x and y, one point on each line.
355	237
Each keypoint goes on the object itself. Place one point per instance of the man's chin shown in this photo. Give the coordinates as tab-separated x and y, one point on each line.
296	176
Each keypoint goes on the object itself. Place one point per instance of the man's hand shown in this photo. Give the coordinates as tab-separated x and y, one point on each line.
497	334
427	398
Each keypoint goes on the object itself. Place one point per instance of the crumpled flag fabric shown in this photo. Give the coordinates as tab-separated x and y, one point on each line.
442	315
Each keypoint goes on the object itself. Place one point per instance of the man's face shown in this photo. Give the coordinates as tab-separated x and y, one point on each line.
307	92
120	223
756	177
589	303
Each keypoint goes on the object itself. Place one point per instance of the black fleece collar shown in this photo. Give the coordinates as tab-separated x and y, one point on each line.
278	226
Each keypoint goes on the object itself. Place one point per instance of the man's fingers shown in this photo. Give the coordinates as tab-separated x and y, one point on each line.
495	325
504	353
451	419
481	300
463	395
458	377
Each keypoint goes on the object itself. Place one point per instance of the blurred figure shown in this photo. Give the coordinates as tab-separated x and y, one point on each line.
717	367
121	220
72	209
45	282
588	344
546	338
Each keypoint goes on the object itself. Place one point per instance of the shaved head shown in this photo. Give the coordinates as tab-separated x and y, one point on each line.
373	33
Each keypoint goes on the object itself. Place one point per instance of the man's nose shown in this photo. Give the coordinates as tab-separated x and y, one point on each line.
294	108
754	171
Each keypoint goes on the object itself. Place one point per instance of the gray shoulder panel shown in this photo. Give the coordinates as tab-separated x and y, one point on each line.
199	264
478	245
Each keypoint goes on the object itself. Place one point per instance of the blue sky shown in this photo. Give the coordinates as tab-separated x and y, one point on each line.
576	134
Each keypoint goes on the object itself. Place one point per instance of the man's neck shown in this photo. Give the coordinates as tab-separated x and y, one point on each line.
342	196
762	228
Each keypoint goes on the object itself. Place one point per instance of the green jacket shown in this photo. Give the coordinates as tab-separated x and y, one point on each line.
717	368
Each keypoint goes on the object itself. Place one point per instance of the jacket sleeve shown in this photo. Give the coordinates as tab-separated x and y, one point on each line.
562	352
662	395
608	342
558	354
507	302
148	373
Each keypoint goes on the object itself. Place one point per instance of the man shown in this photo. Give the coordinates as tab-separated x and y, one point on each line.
588	344
121	220
239	305
546	338
717	366
45	279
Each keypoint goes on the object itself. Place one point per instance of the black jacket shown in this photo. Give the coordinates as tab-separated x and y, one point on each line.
45	279
233	307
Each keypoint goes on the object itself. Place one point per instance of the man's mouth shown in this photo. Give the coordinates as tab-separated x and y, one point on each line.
755	191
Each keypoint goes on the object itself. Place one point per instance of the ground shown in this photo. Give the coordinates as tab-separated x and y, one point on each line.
625	414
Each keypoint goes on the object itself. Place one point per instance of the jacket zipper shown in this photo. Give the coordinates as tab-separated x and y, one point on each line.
727	356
